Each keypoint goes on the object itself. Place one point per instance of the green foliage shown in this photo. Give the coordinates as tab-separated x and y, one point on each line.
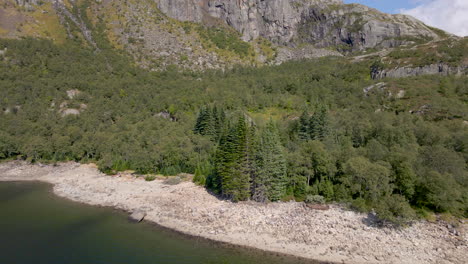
433	193
7	147
173	180
203	170
225	39
318	124
313	127
150	178
312	170
231	180
405	179
448	50
250	166
394	209
271	174
366	179
316	199
210	122
375	151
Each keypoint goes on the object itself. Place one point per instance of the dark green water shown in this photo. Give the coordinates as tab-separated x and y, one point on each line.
37	227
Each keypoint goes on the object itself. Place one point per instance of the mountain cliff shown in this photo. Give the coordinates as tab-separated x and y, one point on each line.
323	23
201	34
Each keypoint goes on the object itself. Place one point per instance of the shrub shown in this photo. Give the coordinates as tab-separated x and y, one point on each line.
150	178
360	205
173	180
395	210
288	198
317	199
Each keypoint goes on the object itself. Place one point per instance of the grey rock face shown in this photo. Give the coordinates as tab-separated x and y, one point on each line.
323	23
432	69
183	10
303	52
28	4
380	86
63	13
357	27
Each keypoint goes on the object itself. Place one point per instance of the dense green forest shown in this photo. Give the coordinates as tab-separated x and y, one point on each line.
305	130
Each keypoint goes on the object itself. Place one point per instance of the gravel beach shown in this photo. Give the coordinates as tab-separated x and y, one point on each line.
334	235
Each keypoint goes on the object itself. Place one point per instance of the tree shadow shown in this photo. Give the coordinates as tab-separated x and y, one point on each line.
372	220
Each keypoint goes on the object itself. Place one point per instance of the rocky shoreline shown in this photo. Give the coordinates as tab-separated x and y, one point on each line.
334	235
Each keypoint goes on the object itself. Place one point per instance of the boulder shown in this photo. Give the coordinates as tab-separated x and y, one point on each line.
138	215
67	112
73	93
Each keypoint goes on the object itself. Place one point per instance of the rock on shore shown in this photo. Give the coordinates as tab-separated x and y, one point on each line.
336	235
138	215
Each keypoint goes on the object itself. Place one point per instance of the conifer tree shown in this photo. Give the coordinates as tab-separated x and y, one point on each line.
226	160
304	126
198	123
209	129
210	122
242	174
318	123
232	159
216	122
203	121
271	177
259	177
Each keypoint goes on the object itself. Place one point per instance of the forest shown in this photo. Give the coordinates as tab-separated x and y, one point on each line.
316	130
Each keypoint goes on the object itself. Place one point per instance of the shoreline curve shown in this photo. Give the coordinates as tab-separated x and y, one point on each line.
288	228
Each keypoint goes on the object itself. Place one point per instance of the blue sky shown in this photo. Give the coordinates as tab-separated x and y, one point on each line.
387	6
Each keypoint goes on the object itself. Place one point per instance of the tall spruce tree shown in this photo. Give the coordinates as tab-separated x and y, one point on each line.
304	126
271	178
203	121
242	173
318	123
216	122
232	162
210	122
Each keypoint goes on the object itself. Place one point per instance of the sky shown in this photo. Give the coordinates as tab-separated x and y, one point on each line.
449	15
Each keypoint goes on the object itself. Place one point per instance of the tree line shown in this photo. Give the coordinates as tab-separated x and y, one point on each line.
294	131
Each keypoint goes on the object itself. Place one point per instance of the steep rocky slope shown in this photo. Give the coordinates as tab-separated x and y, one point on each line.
444	57
324	23
136	27
201	34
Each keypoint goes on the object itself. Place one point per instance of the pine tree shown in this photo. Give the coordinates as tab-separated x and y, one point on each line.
241	170
210	122
304	126
259	176
271	164
198	123
232	176
318	124
224	161
209	129
217	122
203	121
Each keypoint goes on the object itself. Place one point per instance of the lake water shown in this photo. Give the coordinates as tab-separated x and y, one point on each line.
38	227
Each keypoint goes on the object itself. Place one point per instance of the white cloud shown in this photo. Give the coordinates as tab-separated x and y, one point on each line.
449	15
